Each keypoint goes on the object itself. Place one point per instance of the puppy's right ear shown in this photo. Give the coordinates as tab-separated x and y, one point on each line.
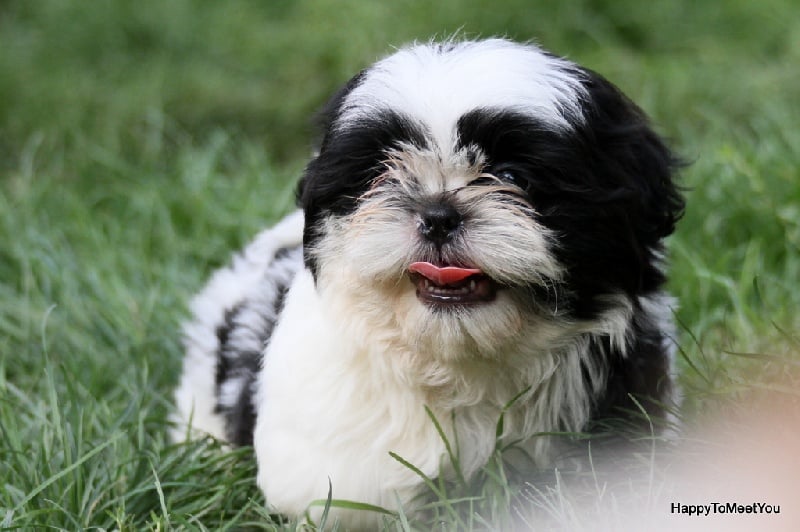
325	118
326	122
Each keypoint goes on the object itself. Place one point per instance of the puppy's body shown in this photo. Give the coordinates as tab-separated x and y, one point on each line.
483	222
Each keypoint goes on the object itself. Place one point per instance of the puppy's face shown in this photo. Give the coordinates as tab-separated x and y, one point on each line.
473	197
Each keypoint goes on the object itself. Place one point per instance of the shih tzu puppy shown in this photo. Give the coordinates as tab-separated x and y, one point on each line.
481	230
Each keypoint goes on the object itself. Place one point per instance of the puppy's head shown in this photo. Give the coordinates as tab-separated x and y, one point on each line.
472	196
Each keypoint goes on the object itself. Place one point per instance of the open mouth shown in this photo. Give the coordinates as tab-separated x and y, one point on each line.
451	285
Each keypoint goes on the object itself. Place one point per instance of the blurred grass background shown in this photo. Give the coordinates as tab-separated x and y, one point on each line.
142	142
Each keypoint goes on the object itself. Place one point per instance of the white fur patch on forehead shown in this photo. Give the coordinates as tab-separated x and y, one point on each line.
436	84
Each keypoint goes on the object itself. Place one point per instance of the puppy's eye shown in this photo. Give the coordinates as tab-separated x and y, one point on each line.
508	176
501	175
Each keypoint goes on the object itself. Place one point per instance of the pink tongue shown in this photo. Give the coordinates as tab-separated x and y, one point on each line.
442	276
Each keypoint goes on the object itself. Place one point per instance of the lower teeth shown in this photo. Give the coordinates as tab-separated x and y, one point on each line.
464	290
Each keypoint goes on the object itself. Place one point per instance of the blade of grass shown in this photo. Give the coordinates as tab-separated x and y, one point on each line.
66	471
454	461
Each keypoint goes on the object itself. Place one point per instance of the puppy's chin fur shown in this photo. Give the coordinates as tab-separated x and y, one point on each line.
315	346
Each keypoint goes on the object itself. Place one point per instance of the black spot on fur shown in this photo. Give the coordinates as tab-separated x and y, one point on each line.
282	254
241	418
223	331
280	299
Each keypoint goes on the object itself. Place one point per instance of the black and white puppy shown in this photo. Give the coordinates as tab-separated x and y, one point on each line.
482	220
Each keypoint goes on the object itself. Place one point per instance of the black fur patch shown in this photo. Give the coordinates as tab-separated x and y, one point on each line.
638	386
604	188
241	418
242	336
349	161
233	363
223	331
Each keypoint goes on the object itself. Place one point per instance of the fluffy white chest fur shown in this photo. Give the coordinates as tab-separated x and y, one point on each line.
332	409
480	236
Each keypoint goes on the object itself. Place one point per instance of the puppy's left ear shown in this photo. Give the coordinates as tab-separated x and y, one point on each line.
633	156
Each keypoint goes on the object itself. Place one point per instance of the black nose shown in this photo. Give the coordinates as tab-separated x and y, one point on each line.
439	222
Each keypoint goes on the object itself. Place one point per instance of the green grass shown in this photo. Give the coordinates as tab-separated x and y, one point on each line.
140	143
